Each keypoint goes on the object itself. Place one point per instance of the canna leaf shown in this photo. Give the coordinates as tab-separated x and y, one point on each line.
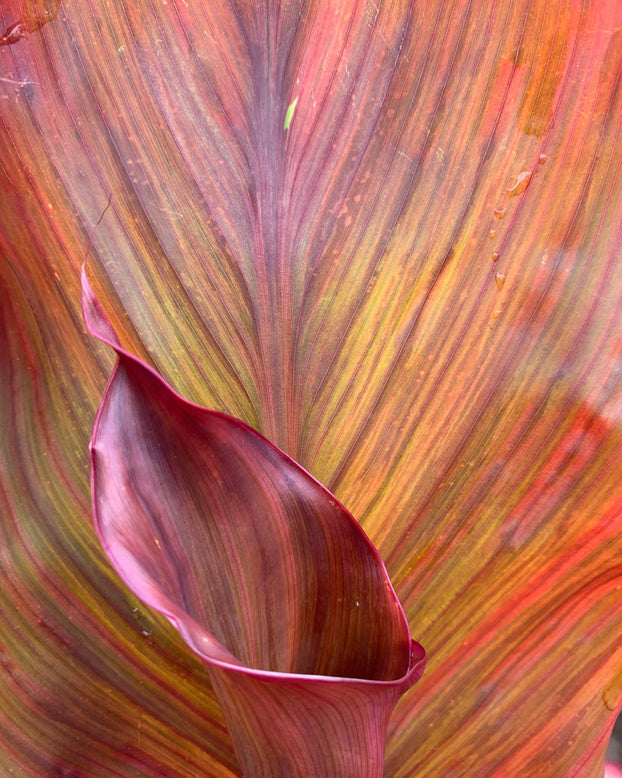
268	579
414	291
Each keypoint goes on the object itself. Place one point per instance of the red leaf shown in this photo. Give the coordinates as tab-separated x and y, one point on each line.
382	290
269	580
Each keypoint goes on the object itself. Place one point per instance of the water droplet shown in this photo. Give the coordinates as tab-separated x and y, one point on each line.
521	183
494	256
499	212
611	695
543	158
492	234
496	314
500	279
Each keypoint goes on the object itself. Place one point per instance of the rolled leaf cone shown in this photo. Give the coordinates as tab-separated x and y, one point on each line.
267	577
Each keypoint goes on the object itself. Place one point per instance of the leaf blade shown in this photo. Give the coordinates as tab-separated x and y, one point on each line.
506	387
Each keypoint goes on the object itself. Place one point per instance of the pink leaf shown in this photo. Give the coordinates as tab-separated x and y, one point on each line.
267	577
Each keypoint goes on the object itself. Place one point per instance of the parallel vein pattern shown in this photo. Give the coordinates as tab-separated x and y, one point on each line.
414	290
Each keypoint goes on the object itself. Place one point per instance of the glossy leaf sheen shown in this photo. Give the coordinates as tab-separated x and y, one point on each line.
266	576
414	291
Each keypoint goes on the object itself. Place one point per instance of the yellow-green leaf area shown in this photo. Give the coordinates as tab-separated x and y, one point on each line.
289	114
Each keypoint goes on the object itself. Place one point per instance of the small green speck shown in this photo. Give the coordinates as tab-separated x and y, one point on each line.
289	114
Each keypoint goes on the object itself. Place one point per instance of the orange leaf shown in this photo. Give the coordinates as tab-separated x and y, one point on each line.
335	285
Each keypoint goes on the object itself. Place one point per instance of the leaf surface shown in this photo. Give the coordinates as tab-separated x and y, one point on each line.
268	579
413	290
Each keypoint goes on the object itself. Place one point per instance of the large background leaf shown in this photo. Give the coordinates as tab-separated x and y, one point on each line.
414	290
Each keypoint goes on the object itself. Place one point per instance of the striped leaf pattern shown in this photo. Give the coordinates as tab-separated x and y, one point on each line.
413	290
268	579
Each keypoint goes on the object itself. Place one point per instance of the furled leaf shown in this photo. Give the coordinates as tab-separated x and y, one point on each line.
268	579
414	290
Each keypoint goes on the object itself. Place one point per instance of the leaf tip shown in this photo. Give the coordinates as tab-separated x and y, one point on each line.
95	319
